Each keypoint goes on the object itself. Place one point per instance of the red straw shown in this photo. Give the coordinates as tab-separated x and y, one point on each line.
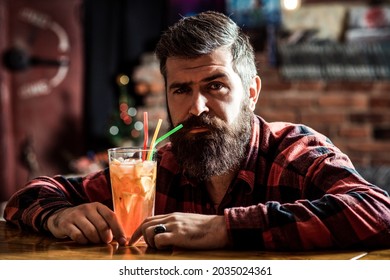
146	131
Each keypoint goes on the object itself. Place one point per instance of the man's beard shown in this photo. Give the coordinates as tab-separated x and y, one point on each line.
216	151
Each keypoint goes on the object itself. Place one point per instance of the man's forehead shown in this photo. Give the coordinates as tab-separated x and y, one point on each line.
220	55
214	62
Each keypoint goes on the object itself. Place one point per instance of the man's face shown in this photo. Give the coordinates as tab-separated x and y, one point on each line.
207	97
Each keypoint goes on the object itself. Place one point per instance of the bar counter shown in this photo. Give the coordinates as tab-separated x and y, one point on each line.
22	245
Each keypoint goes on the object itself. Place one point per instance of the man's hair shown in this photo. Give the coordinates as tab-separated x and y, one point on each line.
202	34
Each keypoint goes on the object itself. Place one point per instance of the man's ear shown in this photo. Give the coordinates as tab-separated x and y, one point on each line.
254	92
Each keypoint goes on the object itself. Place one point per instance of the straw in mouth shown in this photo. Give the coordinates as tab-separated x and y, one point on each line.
169	133
155	141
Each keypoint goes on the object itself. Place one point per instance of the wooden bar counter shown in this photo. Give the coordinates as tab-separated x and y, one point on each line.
19	245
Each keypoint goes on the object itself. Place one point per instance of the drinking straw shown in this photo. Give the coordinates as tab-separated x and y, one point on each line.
154	139
169	133
146	135
166	135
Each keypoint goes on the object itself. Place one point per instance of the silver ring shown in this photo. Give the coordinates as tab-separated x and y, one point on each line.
160	229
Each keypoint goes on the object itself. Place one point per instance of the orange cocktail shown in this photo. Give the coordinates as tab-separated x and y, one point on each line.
133	184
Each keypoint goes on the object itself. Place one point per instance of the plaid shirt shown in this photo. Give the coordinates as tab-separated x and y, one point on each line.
295	191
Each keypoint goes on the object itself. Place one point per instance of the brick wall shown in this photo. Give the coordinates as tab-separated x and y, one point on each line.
354	115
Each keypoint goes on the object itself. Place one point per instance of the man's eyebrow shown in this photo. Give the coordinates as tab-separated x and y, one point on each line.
207	79
179	85
214	77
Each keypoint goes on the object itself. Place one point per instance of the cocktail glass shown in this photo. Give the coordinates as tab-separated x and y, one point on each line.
133	185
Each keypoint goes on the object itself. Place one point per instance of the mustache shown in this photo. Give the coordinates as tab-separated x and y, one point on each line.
211	123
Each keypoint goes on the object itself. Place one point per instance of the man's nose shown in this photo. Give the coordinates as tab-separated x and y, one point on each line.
199	104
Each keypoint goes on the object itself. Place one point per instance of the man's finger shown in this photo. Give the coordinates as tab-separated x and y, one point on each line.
113	223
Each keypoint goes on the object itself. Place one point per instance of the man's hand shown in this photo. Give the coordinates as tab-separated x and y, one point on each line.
87	223
185	230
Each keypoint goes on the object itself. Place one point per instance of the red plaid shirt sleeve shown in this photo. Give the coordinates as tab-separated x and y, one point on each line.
30	206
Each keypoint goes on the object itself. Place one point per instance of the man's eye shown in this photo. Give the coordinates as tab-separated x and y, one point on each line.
216	86
181	90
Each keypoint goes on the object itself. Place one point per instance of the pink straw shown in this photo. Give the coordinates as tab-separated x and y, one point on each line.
146	131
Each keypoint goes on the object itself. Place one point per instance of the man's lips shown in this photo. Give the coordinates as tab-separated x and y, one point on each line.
198	130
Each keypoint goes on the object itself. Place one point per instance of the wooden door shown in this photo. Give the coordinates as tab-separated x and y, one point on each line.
41	88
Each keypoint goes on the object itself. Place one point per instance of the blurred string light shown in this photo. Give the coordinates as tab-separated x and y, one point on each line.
122	81
114	130
290	5
128	124
132	111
